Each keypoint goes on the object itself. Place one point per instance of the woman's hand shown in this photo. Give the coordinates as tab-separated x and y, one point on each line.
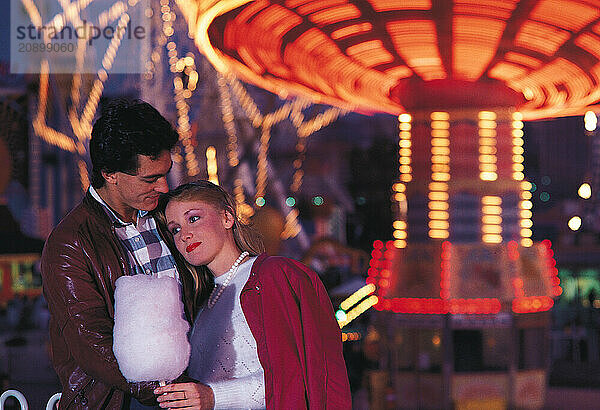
188	395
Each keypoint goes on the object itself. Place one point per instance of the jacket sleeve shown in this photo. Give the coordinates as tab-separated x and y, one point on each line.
322	342
80	311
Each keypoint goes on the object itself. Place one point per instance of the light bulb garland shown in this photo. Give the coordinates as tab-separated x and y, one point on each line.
82	111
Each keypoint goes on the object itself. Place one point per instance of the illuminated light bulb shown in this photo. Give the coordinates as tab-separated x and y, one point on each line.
487	115
491	209
526	223
438	224
488	176
526	233
574	223
400	244
400	234
590	121
496	229
491	238
437	116
526	242
404	117
491	200
491	219
585	191
399	225
487	124
438	234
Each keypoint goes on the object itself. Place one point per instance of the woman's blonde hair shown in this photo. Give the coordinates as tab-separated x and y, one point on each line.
247	239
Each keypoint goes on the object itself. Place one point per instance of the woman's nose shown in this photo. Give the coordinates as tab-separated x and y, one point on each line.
186	235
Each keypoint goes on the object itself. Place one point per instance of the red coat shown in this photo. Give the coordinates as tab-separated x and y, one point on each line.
298	339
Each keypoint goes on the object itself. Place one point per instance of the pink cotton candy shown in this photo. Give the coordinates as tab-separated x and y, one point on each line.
150	334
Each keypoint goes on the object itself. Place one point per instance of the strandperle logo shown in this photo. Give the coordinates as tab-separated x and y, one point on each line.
105	35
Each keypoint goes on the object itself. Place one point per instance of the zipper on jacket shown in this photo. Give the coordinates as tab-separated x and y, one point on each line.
81	395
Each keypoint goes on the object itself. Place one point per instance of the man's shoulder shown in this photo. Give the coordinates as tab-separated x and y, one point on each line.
83	215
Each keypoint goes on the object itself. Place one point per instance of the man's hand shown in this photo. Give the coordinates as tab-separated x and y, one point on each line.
188	395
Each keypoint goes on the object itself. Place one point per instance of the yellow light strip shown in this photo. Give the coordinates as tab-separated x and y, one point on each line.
291	227
211	165
181	91
487	146
48	134
228	118
358	310
405	176
491	220
525	214
81	126
440	175
261	171
83	175
517	134
357	296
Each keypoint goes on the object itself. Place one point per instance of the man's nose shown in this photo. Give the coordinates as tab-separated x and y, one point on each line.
162	185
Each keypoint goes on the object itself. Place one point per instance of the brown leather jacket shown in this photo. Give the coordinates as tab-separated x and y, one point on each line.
80	263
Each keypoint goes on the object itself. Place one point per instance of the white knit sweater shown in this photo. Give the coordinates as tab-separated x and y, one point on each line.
224	354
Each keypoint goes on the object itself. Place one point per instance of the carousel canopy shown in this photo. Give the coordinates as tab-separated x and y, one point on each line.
540	56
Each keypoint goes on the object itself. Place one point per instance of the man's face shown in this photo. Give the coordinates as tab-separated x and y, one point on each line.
141	190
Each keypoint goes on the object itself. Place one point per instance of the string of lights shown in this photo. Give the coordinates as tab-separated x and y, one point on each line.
181	67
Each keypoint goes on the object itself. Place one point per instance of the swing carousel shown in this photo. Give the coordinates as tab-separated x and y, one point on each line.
462	290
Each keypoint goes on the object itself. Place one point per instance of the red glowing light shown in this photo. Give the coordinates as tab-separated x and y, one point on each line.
532	304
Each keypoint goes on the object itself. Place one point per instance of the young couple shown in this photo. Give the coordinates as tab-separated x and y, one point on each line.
263	335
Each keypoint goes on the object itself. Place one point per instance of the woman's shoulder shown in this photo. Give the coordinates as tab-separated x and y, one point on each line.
274	267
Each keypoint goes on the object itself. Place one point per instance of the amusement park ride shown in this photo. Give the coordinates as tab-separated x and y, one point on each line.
463	290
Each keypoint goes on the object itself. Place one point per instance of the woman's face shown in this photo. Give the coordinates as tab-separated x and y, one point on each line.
201	232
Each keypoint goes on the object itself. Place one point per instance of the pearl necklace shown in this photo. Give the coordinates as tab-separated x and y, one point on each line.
218	290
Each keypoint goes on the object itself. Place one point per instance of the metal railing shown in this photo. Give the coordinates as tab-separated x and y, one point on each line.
51	405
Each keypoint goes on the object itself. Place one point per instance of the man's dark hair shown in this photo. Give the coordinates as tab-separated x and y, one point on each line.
126	129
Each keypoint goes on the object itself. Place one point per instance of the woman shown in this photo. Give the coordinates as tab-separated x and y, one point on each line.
264	335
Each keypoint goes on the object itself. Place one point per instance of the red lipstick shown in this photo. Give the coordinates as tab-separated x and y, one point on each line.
192	246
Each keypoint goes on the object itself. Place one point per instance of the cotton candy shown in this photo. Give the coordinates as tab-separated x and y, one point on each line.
150	334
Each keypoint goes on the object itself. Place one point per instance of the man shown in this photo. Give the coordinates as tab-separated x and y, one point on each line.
109	234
